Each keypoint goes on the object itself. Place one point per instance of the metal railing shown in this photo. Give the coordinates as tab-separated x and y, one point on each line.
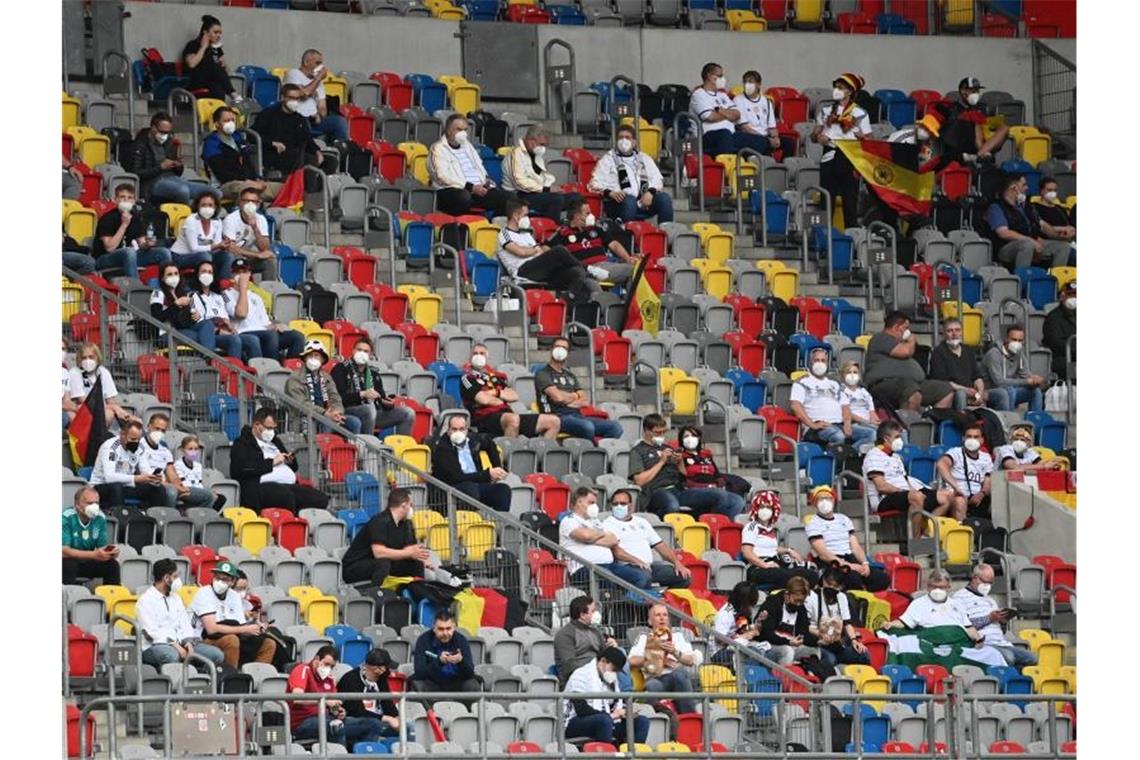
770	450
580	328
889	232
505	283
682	147
619	110
371	212
1054	92
130	81
556	75
179	95
942	295
866	503
458	281
806	229
709	400
326	204
740	186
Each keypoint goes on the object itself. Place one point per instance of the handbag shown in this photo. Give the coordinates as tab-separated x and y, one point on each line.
1057	397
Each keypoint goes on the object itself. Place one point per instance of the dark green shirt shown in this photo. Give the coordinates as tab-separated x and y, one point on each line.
84	536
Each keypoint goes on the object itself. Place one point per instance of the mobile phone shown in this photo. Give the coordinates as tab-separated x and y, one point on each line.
157	471
1009	612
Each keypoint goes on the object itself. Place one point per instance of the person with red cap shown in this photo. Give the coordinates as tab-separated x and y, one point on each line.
841	120
769	563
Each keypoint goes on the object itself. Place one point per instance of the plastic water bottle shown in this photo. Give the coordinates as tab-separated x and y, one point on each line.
150	233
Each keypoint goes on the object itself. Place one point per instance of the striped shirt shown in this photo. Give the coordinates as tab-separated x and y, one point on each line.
470	171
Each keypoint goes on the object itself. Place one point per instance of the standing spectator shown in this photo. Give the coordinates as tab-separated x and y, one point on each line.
456	459
769	563
838	644
701	470
386	545
363	393
834	543
1019	453
864	421
247	231
758	116
525	174
249	316
581	639
735	621
890	490
204	58
719	115
1060	326
675	673
458	174
165	622
87	548
966	470
312	105
656	469
188	467
266	470
590	244
1055	220
171	303
208	300
630	182
442	658
125	236
230	158
820	406
287	141
82	377
117	477
155	457
962	136
895	376
200	238
841	120
487	398
1016	231
372	676
636	543
601	720
560	394
786	626
219	617
154	158
315	677
987	617
582	533
957	364
1007	370
524	259
312	387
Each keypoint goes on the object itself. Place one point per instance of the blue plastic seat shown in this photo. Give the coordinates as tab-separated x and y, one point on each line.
948	434
753	394
223	409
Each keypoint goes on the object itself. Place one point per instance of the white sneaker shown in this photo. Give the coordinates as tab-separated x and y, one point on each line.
598	273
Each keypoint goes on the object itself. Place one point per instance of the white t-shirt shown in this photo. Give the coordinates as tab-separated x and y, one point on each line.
114	464
206	602
976	606
860	401
256	318
836	132
211	305
471	172
821	398
281	473
81	384
234	228
836	532
598	555
635	536
702	102
679	641
192	238
510	261
924	613
764	541
191	475
1002	453
890	466
152	458
759	114
817	606
308	106
969	473
66	379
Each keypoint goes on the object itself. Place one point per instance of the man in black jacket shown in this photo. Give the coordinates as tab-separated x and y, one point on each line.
363	396
956	363
229	157
456	460
286	140
372	676
154	158
266	470
1060	325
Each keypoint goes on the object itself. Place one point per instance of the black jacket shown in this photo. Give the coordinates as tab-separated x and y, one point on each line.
173	314
248	464
352	682
445	459
290	129
348	396
141	161
1060	325
774	606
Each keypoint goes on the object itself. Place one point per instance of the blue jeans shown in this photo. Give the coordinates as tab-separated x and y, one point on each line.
678	680
237	345
1017	657
844	654
128	260
330	126
198	497
702	500
628	573
80	262
1008	398
600	727
346	732
191	260
202	331
661	573
372	415
223	264
170	189
278	345
833	435
724	141
577	425
627	210
164	654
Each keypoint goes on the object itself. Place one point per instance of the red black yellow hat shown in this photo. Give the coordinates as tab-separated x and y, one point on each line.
853	81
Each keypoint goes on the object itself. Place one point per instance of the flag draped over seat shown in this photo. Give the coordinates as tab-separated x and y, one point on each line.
89	428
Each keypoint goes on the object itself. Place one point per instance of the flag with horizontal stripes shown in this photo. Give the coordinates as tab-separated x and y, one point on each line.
643	303
945	645
292	193
88	429
891	170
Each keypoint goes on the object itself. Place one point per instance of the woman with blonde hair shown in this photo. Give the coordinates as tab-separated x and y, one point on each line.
864	422
89	368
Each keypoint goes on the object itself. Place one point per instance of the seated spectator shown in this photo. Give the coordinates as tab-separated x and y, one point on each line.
312	387
456	459
966	470
208	300
442	658
525	175
72	181
230	158
551	266
701	470
219	618
372	676
1007	372
386	545
1016	232
1060	326
267	471
987	616
77	257
310	77
786	626
200	238
590	244
657	470
188	467
87	548
864	421
962	137
247	231
636	543
286	139
315	677
249	316
957	364
205	61
1055	220
1019	453
155	457
87	371
834	543
630	182
891	490
364	396
487	398
165	622
580	639
738	620
829	619
719	116
479	360
600	720
117	475
560	394
69	407
820	405
842	119
154	158
892	373
458	174
758	116
769	563
677	666
171	302
582	533
124	237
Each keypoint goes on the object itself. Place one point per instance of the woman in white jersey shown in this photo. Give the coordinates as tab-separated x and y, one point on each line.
841	120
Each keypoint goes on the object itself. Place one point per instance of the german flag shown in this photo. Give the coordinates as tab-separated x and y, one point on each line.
89	428
292	194
643	304
892	171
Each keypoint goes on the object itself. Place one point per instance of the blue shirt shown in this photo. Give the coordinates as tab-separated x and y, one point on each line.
995	216
466	460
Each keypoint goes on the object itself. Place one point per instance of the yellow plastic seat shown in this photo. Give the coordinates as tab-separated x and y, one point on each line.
72	299
701	264
859	674
122	605
706	228
80	224
685	396
176	213
878	610
1051	654
336	86
678	520
279	72
418	456
718	282
736	18
321	612
439	540
1069	673
465	98
1064	275
399	442
1035	149
254	535
109	593
425	519
808	11
716	678
944	524
426	309
1070	202
239	516
753	25
667	376
695	539
206	108
958	543
326	338
72	112
486	240
1018	133
768	266
186	594
1046	681
862	340
478	539
784	284
638	747
265	295
69	205
451	14
1034	637
958	13
875	685
718	246
648	137
676	748
303	326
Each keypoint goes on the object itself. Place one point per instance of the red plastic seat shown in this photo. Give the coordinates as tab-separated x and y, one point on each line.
1058	572
934	675
898	748
779	421
340	459
954	181
599	748
523	748
583	163
73	716
388	160
197	554
690	729
548	573
547	311
82	650
1007	748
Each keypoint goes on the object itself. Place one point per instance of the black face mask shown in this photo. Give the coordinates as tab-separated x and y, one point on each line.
830	594
131	446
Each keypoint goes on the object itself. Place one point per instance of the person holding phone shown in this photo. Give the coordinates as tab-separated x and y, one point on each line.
988	618
442	658
315	677
218	617
87	548
267	471
154	158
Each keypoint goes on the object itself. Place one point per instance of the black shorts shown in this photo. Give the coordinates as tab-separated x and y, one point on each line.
492	424
897	502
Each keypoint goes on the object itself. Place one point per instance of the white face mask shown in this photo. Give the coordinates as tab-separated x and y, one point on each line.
175	585
1014	346
206	279
292	105
625	145
1071	303
1020	446
591	220
126	207
690	442
524	222
360	357
819	369
313	363
216	45
906	334
971	444
852	379
461	136
249	208
839	93
953	342
1021	199
458	437
318	68
721	83
938	595
88	365
984	588
161	137
609	677
592	511
229	127
323	672
750	88
220	587
539	150
1050	196
596	618
155	437
620	511
206	212
658	440
973	98
825	506
479	361
559	354
897	444
268	434
92	510
171	281
764	513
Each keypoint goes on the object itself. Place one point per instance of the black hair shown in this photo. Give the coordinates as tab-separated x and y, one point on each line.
1013	326
836	574
221	111
215	286
894	318
209	22
626	128
444	616
582	492
162	568
328	650
652	422
752	74
126	187
197	199
887	430
159	117
1009	180
1046	180
511	206
169	293
743	597
691	429
290	88
451	118
264	413
579	605
398	496
708	69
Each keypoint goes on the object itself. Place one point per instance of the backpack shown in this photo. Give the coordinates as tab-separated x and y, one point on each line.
156	66
121	140
357	160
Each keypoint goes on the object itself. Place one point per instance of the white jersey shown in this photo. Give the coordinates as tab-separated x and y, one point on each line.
82	383
835	532
890	466
206	602
759	114
211	305
969	474
977	606
835	132
924	613
764	541
153	458
822	398
114	464
598	555
679	641
1002	453
702	103
635	536
281	473
257	316
234	228
191	474
860	401
818	607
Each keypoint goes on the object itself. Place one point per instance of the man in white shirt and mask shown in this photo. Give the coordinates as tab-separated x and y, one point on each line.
987	617
679	663
166	623
458	174
719	116
822	408
581	533
602	720
966	469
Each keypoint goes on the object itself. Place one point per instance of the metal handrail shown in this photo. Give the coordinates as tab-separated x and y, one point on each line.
740	156
130	84
186	95
582	327
937	538
373	210
1017	302
255	137
936	300
679	158
458	278
727	429
506	283
866	505
558	42
1071	379
801	207
138	663
890	233
639	364
613	107
326	203
771	452
211	668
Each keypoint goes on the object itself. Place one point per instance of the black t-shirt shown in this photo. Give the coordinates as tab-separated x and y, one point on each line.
944	365
208	70
1054	216
109	225
352	682
381	529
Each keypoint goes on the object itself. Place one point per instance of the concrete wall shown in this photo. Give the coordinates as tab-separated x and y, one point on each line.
1054	528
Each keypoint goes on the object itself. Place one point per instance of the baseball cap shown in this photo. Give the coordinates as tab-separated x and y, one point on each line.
225	567
241	262
970	83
